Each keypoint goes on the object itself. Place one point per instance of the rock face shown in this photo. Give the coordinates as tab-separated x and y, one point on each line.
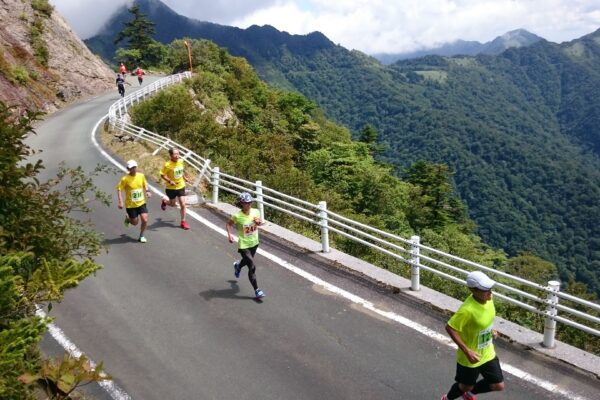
43	63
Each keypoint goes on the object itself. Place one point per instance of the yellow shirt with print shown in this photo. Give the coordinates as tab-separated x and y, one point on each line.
174	171
474	322
134	190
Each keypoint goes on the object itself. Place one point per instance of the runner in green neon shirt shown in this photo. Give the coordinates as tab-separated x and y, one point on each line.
247	221
471	328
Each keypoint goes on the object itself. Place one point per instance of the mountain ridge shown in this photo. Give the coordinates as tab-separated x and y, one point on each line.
514	38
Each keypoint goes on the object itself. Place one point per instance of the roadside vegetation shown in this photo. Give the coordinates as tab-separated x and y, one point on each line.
44	250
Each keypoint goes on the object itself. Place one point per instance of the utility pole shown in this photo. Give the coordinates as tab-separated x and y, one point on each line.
187	46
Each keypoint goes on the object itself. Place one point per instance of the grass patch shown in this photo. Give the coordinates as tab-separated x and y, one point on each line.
42	7
40	48
437	76
21	76
463	61
576	51
5	68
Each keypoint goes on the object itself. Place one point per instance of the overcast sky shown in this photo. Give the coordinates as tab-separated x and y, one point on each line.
372	26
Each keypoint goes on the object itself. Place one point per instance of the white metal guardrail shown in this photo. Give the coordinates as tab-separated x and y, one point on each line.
409	251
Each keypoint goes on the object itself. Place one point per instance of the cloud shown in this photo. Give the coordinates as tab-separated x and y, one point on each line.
87	17
374	25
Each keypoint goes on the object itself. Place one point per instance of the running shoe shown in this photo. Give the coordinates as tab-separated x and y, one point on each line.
185	225
126	222
142	239
444	397
163	204
259	293
468	396
236	269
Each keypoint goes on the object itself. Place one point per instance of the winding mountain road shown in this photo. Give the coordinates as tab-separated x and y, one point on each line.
169	320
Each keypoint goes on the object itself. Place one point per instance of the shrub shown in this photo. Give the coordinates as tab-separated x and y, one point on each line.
43	7
20	74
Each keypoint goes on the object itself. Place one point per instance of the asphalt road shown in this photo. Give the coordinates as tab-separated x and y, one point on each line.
169	320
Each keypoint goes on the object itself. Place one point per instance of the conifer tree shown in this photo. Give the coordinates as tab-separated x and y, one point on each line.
138	33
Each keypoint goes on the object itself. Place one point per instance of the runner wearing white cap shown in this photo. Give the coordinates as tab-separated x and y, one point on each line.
136	189
471	328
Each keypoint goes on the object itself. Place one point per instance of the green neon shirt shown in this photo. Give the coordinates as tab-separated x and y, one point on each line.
247	228
474	322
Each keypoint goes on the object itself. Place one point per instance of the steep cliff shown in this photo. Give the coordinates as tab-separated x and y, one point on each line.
43	64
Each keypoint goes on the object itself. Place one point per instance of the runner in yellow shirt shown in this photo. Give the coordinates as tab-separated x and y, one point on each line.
136	189
471	328
247	221
172	172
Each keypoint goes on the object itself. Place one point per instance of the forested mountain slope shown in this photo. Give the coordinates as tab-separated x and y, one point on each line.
520	130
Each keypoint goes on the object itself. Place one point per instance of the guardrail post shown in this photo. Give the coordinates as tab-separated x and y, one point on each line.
162	146
186	155
415	271
550	324
202	173
259	199
215	185
324	226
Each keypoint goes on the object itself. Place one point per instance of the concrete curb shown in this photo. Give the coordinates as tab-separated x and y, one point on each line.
512	332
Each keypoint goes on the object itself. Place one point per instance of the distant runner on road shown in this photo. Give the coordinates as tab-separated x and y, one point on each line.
471	328
122	69
173	173
120	81
136	190
247	221
140	75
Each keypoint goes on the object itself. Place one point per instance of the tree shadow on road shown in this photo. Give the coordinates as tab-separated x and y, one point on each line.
230	293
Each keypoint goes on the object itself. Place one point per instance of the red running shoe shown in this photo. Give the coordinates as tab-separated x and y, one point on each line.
185	225
163	204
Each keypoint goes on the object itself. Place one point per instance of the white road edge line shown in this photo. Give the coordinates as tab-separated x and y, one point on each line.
110	386
443	339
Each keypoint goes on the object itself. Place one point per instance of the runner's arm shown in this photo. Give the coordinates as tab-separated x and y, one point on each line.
119	198
146	188
455	336
228	226
167	179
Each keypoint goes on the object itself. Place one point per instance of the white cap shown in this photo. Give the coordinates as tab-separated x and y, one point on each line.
479	280
131	164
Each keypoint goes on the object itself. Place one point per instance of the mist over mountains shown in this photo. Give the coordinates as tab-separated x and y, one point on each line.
516	38
520	129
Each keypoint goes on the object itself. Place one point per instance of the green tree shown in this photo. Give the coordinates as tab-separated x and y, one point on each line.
532	268
370	137
138	33
44	250
434	204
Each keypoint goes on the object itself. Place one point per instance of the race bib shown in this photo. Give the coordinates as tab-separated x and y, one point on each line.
178	172
249	229
137	195
484	338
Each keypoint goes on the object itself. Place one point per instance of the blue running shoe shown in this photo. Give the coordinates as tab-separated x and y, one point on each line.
236	269
259	293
